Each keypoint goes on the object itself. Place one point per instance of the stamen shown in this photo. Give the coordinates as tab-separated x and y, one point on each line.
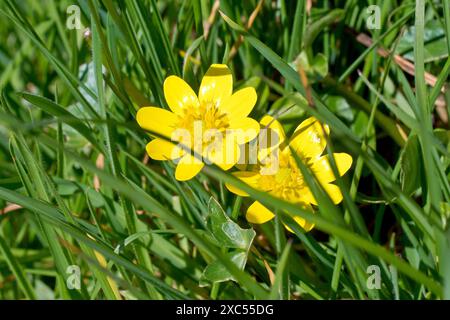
208	114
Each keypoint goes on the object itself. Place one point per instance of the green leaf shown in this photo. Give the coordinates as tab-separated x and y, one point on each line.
56	110
216	271
340	106
17	270
411	166
316	68
281	268
319	25
231	23
228	233
435	42
443	241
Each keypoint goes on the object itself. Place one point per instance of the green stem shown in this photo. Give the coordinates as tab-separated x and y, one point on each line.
236	208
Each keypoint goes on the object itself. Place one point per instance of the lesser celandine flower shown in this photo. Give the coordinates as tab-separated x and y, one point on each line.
284	179
212	124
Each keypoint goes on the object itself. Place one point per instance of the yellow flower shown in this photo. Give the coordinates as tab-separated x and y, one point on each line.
280	176
213	124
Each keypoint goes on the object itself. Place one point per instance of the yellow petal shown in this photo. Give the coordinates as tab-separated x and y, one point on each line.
157	120
244	130
271	136
277	132
309	139
187	168
249	177
160	149
179	95
225	153
322	167
258	214
240	104
307	226
308	197
332	190
217	85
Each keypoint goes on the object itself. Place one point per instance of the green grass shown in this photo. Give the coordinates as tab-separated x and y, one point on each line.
73	157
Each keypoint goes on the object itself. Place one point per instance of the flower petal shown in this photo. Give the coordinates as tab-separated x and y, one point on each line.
217	85
308	197
276	127
187	168
248	160
309	138
271	136
322	167
245	129
179	95
258	214
160	149
249	177
240	104
307	226
157	120
226	154
333	192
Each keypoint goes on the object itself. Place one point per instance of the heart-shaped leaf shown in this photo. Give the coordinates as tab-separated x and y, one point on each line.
228	233
216	272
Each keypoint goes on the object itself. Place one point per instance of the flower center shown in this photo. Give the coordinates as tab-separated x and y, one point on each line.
287	182
209	116
203	128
